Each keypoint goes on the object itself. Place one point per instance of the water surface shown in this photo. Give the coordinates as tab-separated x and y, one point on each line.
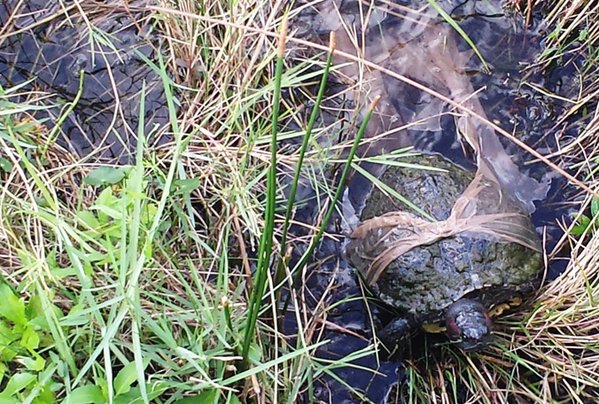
509	47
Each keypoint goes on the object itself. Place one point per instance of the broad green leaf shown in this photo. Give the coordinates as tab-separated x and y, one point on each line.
85	394
255	354
6	399
106	175
186	186
30	339
581	226
8	353
45	395
106	198
126	377
17	383
65	272
88	218
134	395
12	308
7	334
148	214
35	308
5	165
36	363
108	211
233	399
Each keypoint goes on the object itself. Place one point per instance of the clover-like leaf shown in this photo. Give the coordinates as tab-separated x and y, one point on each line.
106	175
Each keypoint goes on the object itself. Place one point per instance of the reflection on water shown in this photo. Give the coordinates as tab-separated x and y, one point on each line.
49	45
392	35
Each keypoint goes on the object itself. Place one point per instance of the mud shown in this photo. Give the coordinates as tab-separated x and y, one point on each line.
51	51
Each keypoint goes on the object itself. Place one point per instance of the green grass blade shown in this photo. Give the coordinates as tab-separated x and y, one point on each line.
460	31
344	175
265	246
304	145
137	188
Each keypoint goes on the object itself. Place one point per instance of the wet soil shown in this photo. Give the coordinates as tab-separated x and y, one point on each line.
48	49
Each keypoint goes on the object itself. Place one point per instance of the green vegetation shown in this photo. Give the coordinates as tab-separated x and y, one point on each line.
156	282
585	223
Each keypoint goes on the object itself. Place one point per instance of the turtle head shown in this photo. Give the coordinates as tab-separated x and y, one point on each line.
468	323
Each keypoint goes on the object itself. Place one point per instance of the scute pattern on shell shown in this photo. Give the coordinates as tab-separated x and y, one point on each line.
427	279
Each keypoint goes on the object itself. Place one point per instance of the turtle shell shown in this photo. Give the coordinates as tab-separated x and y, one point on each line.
426	280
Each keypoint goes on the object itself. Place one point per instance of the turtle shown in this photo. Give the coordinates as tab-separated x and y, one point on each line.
457	284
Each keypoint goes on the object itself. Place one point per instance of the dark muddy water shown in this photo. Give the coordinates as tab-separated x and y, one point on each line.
510	48
47	47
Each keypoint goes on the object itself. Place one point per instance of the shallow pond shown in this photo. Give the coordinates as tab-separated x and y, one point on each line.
509	99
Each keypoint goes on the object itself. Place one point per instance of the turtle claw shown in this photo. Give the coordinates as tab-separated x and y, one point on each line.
395	336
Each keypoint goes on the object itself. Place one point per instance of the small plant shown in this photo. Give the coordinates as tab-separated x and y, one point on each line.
585	224
24	337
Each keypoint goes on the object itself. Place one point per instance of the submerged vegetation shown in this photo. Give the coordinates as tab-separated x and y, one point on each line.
163	280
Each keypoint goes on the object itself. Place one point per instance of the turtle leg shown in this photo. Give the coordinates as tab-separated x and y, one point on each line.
396	335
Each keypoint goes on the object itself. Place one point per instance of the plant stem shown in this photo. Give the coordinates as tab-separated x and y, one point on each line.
265	246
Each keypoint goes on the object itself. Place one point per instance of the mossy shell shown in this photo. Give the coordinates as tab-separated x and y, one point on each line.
424	281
